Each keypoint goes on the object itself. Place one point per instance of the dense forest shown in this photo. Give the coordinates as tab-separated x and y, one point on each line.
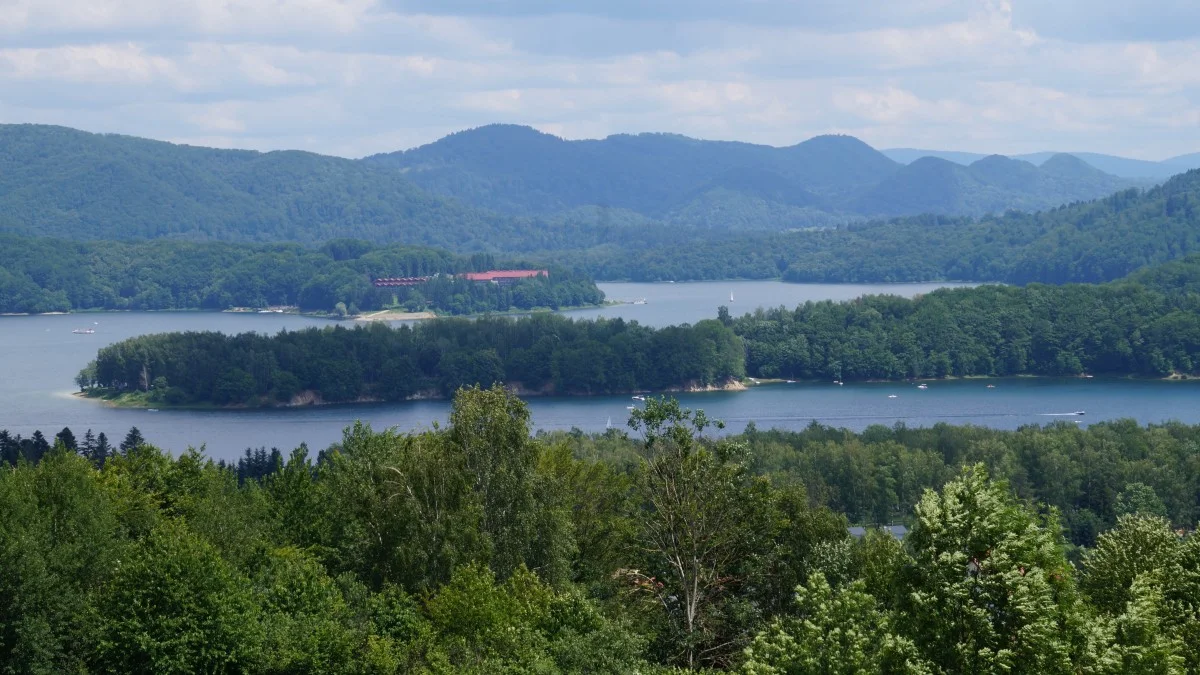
1119	328
685	182
539	354
742	221
1136	327
50	275
477	548
65	183
1086	242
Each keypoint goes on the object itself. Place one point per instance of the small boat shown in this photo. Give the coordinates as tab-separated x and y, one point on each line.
629	407
84	331
1079	412
791	382
639	398
151	409
891	396
838	382
922	386
991	386
639	301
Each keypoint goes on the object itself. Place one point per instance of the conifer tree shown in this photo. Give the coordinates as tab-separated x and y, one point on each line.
67	439
133	439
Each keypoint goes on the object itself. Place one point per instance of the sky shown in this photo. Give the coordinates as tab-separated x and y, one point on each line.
357	77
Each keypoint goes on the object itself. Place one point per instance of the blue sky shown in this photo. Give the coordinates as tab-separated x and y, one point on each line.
354	77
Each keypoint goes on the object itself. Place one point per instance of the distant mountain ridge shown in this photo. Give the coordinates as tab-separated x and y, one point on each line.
496	188
1122	167
678	180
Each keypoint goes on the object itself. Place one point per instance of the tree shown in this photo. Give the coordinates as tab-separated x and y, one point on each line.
1139	498
102	452
831	632
175	606
38	447
133	439
695	504
989	585
67	439
489	430
1138	544
1136	641
88	448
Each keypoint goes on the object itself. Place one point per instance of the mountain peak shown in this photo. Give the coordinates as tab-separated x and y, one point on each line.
1064	164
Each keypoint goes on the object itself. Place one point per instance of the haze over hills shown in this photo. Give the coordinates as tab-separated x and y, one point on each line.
494	188
680	180
1122	167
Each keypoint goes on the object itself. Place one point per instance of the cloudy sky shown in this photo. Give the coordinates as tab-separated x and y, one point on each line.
354	77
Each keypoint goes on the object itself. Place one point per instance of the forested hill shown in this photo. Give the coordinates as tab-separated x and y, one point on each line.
1119	328
726	185
60	182
1095	241
53	275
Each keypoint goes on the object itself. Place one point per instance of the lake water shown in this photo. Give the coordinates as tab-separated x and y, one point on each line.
39	357
669	304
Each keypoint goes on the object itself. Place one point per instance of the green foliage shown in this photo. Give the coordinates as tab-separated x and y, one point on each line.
686	182
1118	328
1138	545
61	182
1086	242
1139	498
41	275
477	548
432	357
175	606
989	587
832	631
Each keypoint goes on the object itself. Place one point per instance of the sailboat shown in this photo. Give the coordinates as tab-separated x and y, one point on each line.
608	424
731	297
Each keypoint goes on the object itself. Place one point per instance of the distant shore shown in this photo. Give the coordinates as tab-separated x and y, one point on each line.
145	401
394	315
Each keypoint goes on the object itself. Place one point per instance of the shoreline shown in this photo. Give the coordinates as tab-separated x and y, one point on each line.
139	400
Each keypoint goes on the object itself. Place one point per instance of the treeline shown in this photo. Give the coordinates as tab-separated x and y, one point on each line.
476	548
542	353
1124	328
1091	475
1085	242
47	275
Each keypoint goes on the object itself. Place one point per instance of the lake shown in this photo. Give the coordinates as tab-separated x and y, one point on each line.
39	357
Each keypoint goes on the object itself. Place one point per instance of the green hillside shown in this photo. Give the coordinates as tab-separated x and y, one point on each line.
61	182
1094	241
826	180
990	185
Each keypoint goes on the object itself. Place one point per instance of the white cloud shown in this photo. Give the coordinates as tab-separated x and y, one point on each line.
360	76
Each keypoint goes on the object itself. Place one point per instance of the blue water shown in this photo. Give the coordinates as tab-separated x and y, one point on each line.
39	357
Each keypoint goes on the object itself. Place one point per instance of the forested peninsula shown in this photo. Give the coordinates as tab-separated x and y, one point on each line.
478	548
541	354
1146	326
48	275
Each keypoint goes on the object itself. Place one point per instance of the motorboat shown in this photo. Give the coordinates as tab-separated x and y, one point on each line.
922	386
